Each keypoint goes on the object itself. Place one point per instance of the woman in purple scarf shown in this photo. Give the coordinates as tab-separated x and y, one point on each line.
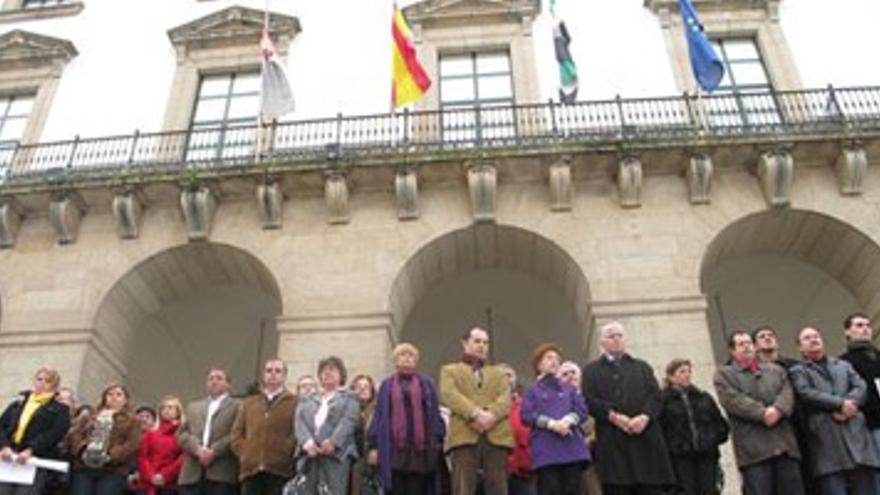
406	436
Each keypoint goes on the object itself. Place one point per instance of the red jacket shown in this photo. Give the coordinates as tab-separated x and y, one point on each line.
519	461
160	454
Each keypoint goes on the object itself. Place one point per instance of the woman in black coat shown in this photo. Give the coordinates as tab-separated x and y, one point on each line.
694	428
33	426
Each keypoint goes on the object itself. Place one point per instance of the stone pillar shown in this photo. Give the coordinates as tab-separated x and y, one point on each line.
699	178
269	203
560	184
362	340
128	210
629	182
336	196
851	167
482	181
11	215
66	210
406	187
198	207
776	173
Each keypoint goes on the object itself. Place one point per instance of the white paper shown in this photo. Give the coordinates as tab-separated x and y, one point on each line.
877	385
50	464
17	474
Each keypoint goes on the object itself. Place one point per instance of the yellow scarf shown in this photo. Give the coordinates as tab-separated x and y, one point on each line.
33	403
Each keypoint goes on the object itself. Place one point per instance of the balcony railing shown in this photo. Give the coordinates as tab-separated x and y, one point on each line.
621	122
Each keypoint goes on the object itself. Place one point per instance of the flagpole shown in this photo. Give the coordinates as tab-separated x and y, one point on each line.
259	134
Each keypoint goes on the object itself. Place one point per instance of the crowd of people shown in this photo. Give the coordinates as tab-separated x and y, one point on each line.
808	425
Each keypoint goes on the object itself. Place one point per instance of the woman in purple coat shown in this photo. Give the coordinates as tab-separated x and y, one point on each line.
555	410
406	435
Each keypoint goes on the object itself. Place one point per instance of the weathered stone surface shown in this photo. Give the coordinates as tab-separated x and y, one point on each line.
560	184
65	212
128	210
406	187
198	207
851	167
482	181
270	202
629	182
776	174
336	197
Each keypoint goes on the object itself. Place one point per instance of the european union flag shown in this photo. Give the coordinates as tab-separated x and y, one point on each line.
706	64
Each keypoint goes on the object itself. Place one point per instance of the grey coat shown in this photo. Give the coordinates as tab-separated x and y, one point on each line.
833	446
744	397
342	419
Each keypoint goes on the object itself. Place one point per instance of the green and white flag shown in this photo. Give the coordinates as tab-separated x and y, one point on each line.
568	78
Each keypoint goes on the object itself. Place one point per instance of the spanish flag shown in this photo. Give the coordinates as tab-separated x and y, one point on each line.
409	80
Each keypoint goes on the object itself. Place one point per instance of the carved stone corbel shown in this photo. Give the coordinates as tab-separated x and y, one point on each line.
198	206
776	173
11	216
128	208
629	182
336	195
482	181
560	184
406	187
66	210
851	167
699	178
269	203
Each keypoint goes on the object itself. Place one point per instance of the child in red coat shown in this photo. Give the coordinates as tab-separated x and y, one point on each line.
160	456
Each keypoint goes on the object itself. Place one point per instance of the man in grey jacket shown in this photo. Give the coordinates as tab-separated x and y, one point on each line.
758	397
832	395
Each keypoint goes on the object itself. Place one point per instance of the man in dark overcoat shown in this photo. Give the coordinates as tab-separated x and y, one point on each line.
832	395
624	398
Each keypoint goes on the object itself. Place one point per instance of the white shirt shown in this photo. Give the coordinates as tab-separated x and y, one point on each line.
212	410
323	409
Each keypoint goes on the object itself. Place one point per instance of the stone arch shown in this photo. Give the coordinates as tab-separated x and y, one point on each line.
506	258
182	302
798	268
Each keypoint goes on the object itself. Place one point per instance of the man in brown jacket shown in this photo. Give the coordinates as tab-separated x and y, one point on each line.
209	466
758	397
263	435
480	437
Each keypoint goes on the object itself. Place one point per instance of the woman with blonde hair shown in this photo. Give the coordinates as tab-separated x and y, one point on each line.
33	425
104	444
160	456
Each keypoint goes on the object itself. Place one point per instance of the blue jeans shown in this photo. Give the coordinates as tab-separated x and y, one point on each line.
863	482
96	482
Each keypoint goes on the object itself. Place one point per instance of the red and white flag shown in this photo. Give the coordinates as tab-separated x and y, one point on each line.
276	98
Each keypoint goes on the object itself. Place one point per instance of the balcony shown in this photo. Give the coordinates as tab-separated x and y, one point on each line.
628	126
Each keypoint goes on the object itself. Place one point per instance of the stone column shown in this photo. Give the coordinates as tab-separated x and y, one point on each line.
362	340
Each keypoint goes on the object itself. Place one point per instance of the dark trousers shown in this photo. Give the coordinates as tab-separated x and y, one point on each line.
208	487
404	483
471	460
777	476
263	483
40	480
96	482
695	474
521	485
862	481
562	479
631	490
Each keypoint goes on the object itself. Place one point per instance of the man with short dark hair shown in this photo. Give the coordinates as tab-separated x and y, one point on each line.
263	434
209	467
478	396
624	398
865	359
831	393
766	344
758	397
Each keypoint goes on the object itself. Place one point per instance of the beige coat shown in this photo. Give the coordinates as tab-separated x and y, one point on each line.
460	393
224	468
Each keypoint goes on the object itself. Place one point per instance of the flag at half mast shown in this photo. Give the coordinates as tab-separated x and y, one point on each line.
276	98
705	63
409	82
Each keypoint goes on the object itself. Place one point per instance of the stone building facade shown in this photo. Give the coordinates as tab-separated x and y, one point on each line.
146	257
